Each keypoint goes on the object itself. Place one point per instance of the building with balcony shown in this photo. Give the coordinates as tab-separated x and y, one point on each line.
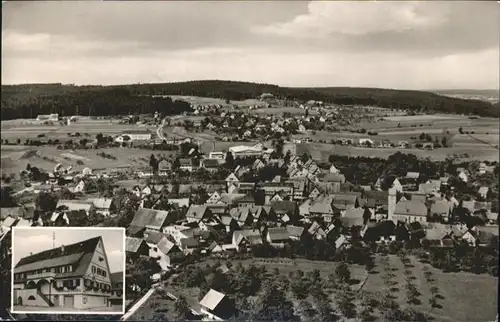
71	277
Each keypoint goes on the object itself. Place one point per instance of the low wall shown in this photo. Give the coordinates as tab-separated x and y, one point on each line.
25	295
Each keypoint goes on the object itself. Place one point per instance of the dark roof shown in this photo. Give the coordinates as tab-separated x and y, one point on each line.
278	234
85	246
285	206
151	218
210	163
246	199
79	254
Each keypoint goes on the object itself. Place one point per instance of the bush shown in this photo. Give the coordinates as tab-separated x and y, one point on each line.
79	162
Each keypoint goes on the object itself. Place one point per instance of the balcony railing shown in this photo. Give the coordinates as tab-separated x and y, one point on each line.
41	275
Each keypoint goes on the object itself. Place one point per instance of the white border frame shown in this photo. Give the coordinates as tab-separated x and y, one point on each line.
12	307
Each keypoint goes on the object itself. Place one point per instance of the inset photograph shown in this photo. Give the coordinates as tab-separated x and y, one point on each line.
58	270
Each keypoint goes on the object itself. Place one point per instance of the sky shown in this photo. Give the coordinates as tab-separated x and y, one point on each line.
34	240
401	44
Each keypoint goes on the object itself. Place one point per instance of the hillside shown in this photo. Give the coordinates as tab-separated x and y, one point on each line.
24	100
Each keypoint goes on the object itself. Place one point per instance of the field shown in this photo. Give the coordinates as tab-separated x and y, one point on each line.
465	297
30	129
46	157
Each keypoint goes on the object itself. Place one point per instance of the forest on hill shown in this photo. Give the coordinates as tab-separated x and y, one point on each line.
23	101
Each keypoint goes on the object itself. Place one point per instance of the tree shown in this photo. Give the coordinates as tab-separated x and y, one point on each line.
343	273
272	305
6	197
444	142
153	163
229	160
46	202
422	136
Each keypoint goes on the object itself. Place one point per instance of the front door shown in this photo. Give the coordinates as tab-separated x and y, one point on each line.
56	300
69	301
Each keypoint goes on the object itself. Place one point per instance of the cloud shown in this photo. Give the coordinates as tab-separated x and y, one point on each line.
325	18
115	259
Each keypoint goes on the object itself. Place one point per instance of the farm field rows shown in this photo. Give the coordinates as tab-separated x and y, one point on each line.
466	297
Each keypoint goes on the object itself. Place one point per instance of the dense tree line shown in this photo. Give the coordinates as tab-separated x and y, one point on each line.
23	103
129	98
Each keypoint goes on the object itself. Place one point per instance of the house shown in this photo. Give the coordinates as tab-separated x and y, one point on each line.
324	208
161	248
245	238
315	192
186	164
334	170
217	306
409	211
257	165
344	201
189	245
48	117
286	208
103	206
441	208
246	201
354	217
71	205
295	232
164	166
366	141
148	218
332	177
69	217
277	236
483	192
179	202
316	231
214	198
75	276
135	247
78	188
232	179
463	175
439	235
412	175
134	135
198	213
211	165
230	223
243	216
277	197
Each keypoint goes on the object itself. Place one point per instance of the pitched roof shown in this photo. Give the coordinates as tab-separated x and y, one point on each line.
411	207
189	242
132	244
412	175
12	212
230	198
246	199
101	203
75	204
295	231
149	218
333	177
285	206
72	254
212	299
436	231
441	206
196	211
322	207
278	234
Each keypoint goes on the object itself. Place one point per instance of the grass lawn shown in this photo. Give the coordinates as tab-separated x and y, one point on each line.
466	297
156	306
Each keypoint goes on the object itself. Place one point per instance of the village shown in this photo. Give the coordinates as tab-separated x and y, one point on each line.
257	201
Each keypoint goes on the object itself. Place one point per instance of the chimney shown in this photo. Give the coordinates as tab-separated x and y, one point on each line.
62	249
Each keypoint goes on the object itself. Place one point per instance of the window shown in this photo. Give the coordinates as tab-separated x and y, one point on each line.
47	270
77	282
84	300
94	269
31	297
99	271
104	273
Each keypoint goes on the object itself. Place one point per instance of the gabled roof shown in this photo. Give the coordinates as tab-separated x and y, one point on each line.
189	242
212	299
116	277
13	212
322	207
75	204
132	244
73	254
412	175
101	203
253	236
149	218
436	231
411	208
246	199
441	206
295	231
196	212
277	234
283	207
230	198
333	177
